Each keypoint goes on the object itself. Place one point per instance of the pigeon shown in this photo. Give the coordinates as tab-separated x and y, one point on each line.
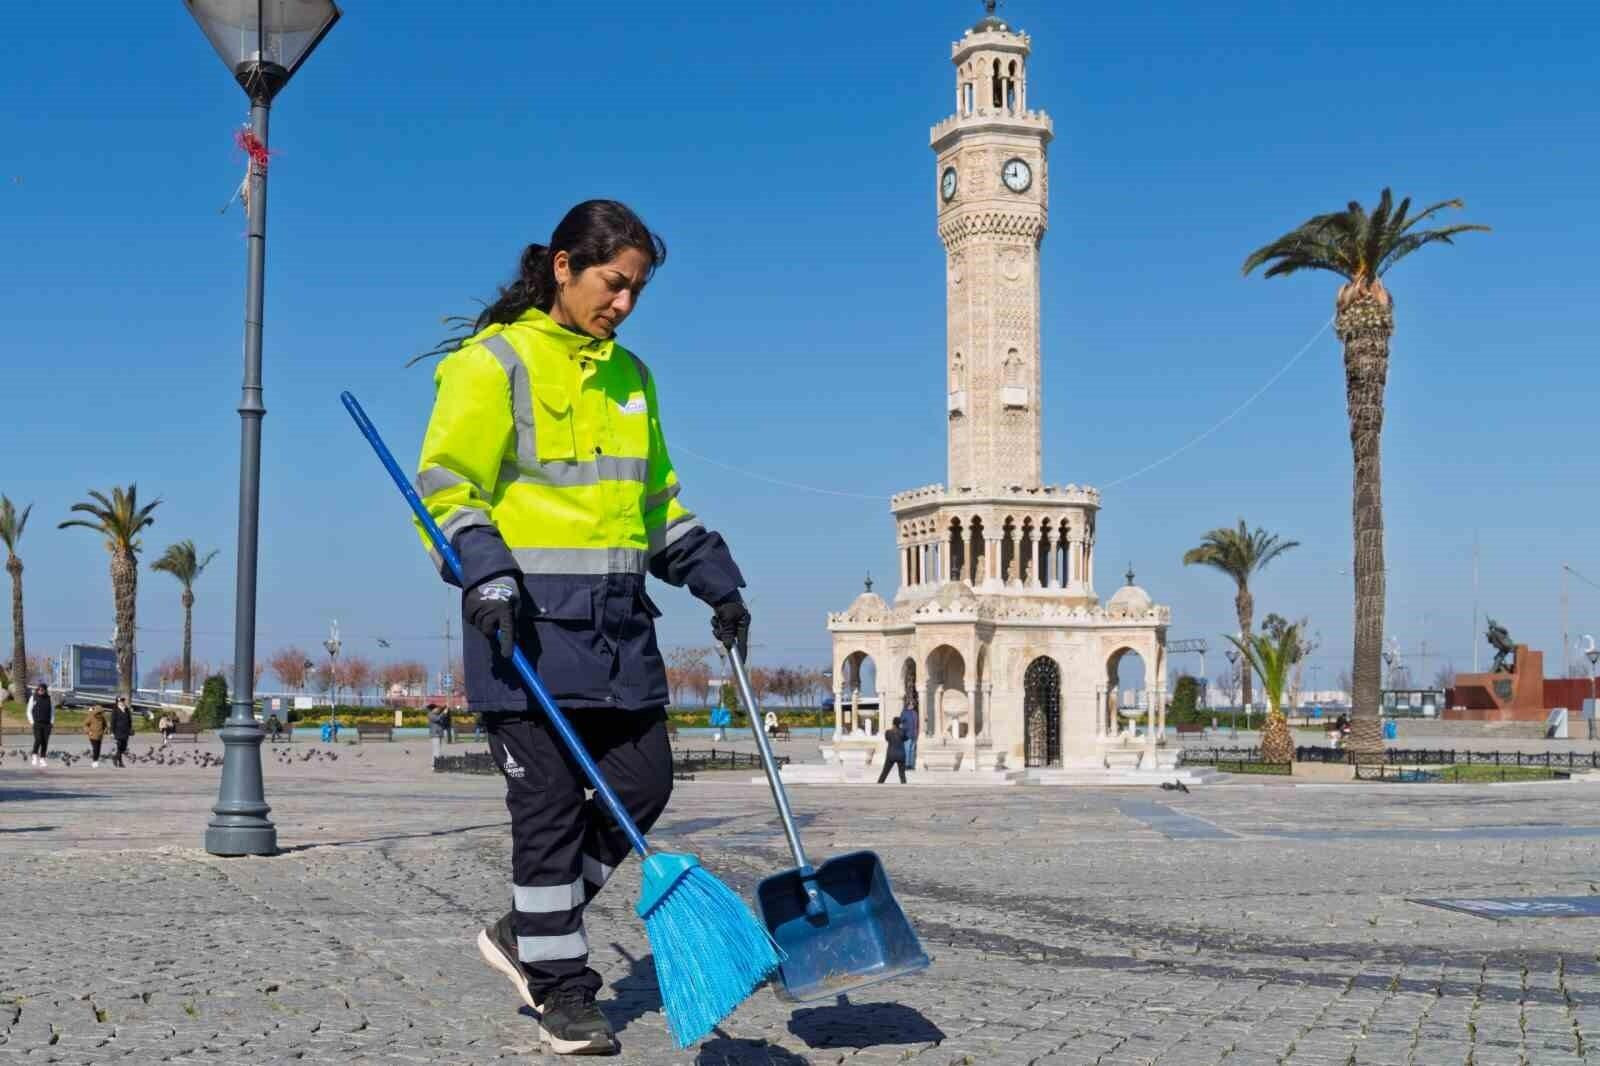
1174	786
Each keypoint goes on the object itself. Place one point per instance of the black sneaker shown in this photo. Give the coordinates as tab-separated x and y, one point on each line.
572	1025
497	944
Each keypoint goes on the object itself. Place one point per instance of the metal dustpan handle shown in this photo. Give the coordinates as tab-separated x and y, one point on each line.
768	763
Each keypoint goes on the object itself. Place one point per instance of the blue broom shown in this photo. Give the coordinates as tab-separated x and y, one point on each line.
710	951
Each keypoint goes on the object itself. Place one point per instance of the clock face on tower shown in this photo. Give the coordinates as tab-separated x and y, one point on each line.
1017	175
947	184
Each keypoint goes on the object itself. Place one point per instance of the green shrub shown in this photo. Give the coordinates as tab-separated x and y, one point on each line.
212	709
1185	706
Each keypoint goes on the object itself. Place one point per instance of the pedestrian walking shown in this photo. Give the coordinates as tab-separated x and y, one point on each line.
894	753
41	715
94	727
545	464
167	727
908	728
436	717
274	726
121	729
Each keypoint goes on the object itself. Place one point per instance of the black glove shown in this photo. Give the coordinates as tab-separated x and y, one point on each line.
730	624
491	609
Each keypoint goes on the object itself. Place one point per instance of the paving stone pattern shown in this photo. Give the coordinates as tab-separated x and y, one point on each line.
1244	925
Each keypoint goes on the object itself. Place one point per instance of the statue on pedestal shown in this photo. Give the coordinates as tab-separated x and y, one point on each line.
1500	640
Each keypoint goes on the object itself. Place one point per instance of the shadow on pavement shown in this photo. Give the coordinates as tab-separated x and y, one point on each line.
635	994
726	1051
863	1025
22	795
392	836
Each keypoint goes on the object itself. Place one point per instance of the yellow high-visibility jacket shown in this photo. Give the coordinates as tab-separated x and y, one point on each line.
544	458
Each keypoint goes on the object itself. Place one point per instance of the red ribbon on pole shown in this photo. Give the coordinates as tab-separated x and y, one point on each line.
247	140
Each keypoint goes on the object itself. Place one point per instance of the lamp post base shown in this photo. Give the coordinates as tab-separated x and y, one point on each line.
239	823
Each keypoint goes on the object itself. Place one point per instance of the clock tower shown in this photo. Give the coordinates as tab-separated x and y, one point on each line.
995	633
993	196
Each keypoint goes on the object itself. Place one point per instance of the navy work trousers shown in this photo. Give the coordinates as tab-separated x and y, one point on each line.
564	845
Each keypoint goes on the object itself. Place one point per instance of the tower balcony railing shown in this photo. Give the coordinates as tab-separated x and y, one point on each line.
981	114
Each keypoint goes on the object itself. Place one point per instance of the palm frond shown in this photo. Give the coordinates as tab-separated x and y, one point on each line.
1428	212
1352	243
1412	241
12	523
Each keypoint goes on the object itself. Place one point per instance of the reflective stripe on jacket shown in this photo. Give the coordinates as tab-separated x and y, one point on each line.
544	457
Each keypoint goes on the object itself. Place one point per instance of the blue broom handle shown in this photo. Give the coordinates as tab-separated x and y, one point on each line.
520	661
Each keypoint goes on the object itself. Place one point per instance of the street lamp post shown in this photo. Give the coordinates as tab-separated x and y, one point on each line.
1233	711
1592	653
332	644
262	43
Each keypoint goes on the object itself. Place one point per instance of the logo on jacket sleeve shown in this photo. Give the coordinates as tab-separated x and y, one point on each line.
635	405
512	767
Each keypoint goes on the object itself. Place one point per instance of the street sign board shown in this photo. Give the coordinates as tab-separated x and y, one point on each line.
91	667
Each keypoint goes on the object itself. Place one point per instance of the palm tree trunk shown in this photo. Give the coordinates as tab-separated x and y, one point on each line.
1245	604
1365	325
188	614
124	589
19	648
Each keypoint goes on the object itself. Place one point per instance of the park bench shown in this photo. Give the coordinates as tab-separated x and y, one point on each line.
189	731
781	731
365	730
1190	727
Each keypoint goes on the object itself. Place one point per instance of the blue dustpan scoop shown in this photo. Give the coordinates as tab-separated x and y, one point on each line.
860	937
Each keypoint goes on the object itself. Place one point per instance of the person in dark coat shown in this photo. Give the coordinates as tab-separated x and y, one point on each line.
908	726
894	754
121	729
42	716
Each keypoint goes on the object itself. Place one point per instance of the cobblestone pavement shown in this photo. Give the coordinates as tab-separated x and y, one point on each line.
1242	925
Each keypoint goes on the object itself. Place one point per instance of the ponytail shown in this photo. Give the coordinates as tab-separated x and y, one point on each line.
593	232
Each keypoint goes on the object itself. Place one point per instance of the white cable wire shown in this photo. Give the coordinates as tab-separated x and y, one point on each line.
774	480
1235	413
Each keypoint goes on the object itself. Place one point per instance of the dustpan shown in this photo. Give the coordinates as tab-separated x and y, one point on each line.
839	923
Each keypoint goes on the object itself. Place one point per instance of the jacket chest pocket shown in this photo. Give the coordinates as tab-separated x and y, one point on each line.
630	424
554	434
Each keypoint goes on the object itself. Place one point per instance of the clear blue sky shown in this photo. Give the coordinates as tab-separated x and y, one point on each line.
797	328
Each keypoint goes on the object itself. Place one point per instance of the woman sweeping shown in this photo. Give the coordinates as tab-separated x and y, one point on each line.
545	465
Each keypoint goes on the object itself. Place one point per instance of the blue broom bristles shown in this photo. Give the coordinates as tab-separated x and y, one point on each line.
710	951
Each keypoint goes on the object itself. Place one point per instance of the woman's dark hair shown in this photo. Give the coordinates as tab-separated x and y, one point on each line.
593	232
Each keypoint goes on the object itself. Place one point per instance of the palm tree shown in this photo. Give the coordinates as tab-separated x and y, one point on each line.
120	520
1360	248
183	562
11	527
1270	658
1239	553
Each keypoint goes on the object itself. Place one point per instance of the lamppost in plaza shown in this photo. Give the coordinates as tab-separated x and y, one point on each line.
333	644
1233	717
1592	653
262	43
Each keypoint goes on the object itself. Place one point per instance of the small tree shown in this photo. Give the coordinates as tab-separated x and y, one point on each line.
1446	677
1271	660
212	710
355	673
290	666
414	676
1185	703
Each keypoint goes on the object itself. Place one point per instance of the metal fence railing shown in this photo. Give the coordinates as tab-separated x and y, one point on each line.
683	762
1477	773
1562	760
